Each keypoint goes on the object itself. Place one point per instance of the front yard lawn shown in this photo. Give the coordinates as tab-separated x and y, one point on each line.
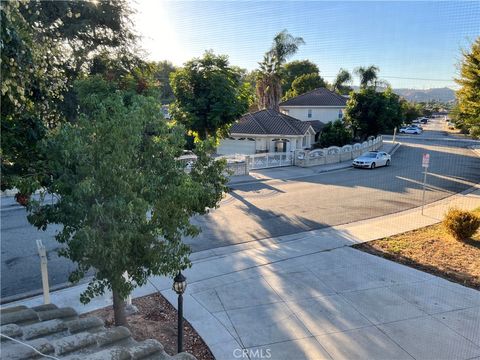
433	250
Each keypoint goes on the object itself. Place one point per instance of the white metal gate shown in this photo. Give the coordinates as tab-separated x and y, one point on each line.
269	160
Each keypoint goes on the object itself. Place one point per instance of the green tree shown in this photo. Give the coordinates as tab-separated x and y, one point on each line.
269	84
371	113
122	197
285	45
209	95
305	83
467	111
341	82
294	69
335	134
368	76
161	72
410	110
269	81
45	47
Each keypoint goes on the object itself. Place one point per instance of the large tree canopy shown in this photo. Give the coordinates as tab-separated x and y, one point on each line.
370	112
45	47
209	95
305	83
294	69
467	111
122	197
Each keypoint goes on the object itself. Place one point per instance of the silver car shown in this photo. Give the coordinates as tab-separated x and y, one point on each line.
372	159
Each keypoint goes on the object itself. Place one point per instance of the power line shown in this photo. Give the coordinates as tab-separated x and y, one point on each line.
399	77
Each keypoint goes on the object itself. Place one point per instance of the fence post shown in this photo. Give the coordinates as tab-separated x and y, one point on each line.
44	269
129	307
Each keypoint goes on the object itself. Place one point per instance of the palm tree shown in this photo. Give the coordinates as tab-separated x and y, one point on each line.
285	45
340	84
368	75
269	82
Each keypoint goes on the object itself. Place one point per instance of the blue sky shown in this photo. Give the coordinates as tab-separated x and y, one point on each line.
409	41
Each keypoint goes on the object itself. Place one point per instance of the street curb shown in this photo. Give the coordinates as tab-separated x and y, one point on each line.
395	148
437	139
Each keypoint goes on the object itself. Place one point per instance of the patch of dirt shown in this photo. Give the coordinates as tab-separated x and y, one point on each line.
157	319
433	250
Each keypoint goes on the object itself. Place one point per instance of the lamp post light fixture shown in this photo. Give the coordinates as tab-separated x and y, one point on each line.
179	286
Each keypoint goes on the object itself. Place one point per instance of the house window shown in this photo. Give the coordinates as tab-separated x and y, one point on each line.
309	113
304	141
340	114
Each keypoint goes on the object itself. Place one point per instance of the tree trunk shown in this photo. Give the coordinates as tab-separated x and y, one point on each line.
119	309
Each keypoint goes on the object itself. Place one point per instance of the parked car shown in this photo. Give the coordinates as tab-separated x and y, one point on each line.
424	120
410	130
372	159
416	126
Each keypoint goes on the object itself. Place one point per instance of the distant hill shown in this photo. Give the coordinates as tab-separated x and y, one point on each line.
439	94
443	95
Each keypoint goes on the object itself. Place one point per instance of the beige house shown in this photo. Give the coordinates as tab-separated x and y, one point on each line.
317	105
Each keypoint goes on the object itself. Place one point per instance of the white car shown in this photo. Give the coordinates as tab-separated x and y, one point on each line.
372	159
410	130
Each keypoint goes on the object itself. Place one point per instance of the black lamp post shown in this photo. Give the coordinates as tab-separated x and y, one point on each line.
179	286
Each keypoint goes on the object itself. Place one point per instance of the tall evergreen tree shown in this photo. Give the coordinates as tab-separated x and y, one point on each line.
467	111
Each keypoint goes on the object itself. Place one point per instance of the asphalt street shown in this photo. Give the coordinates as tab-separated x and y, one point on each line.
260	210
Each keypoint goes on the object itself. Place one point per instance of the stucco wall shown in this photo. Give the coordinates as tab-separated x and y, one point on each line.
334	154
325	115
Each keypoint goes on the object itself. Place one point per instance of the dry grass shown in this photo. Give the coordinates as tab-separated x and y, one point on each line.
434	250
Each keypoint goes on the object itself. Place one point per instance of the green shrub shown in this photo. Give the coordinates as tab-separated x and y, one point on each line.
335	134
461	224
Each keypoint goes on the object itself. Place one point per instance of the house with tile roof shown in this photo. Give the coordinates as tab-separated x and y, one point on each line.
267	131
317	106
47	331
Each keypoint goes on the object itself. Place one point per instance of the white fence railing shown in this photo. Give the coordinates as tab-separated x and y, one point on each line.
335	154
235	165
269	160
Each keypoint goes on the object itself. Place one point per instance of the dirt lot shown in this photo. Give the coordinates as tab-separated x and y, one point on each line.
157	319
433	250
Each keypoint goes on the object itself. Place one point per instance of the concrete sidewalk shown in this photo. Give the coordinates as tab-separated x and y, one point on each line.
311	296
295	172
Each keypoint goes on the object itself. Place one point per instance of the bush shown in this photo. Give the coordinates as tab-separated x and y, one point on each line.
461	224
335	134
